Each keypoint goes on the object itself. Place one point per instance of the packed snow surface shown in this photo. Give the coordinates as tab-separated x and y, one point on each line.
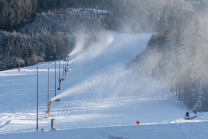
100	98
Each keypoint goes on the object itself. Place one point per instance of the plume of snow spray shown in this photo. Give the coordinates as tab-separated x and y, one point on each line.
117	81
80	41
86	48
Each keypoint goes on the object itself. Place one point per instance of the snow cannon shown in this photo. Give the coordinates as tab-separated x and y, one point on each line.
59	80
49	104
188	117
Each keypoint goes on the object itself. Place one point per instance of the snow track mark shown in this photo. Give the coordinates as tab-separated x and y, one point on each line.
6	123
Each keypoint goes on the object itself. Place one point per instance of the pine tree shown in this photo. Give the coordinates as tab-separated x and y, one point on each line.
34	8
24	53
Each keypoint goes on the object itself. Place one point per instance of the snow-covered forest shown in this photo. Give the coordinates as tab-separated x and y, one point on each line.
34	31
26	24
177	53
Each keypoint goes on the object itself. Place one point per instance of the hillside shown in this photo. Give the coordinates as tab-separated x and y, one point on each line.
105	101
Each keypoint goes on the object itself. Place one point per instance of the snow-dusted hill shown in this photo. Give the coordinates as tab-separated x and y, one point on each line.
100	98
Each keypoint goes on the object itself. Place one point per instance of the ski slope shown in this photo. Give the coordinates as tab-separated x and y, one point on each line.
100	98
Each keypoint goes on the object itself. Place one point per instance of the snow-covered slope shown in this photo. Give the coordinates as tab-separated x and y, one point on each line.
99	99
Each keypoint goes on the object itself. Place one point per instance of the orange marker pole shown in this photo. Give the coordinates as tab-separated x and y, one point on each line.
137	122
49	110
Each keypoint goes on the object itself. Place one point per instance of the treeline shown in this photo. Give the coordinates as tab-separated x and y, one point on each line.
17	49
50	4
28	35
134	14
16	13
177	55
67	22
50	35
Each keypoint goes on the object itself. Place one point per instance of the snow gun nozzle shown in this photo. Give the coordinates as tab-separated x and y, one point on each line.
57	100
49	102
